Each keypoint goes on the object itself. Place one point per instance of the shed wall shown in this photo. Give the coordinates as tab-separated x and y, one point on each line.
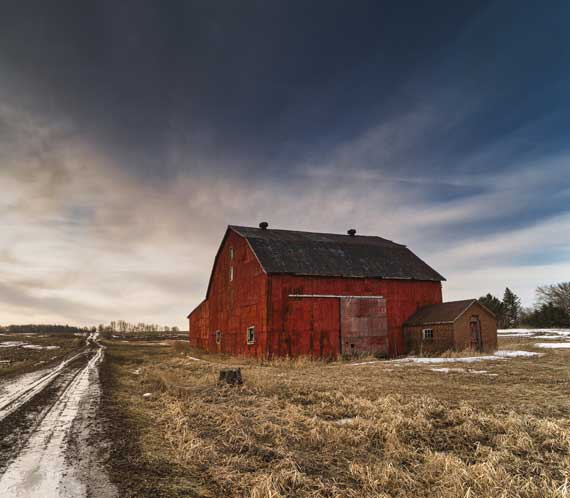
443	339
488	329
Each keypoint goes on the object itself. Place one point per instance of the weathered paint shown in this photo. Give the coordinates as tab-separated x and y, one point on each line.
403	298
232	306
363	326
286	325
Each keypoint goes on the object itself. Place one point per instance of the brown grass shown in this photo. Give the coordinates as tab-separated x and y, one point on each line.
311	429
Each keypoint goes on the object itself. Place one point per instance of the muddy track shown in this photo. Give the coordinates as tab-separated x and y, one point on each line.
45	417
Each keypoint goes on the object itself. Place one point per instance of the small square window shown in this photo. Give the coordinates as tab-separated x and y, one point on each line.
251	335
231	273
427	334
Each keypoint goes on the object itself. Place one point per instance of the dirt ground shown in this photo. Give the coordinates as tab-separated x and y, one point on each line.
310	429
51	442
21	353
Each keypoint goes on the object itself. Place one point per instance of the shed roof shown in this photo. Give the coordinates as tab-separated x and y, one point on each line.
441	313
334	255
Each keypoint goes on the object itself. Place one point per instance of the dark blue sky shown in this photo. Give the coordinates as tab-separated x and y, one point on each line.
444	124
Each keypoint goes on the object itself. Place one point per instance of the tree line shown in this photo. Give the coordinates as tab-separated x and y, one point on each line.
118	326
552	308
123	327
42	329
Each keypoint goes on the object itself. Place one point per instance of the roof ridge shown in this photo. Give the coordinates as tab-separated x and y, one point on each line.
236	228
298	252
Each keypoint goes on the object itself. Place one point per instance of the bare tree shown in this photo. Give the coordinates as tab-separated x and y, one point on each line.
557	294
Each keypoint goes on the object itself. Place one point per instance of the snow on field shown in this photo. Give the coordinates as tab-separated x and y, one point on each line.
447	370
553	345
535	333
514	354
37	346
11	344
19	344
499	355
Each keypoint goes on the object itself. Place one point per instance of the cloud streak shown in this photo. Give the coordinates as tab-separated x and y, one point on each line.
119	174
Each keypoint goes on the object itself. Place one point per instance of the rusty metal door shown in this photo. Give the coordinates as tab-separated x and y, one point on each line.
364	326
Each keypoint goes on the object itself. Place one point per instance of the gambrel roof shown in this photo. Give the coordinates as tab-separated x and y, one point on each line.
334	255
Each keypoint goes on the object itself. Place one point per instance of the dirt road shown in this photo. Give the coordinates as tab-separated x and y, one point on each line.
47	421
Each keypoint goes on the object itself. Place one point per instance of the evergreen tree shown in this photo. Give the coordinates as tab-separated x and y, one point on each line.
496	306
512	309
548	315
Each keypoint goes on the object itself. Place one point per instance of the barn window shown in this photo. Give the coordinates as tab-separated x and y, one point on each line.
427	334
231	253
218	336
231	273
251	335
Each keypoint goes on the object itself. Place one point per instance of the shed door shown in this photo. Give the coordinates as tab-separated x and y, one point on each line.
475	329
364	325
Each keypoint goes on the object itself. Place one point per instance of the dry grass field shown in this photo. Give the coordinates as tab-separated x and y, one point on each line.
312	429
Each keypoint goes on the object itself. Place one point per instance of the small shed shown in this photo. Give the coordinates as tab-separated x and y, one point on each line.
455	325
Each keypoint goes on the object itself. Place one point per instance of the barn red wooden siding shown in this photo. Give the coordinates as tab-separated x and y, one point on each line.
232	306
286	325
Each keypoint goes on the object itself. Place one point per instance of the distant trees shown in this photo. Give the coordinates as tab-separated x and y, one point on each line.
496	306
512	309
124	327
547	315
507	311
552	308
42	329
120	326
558	295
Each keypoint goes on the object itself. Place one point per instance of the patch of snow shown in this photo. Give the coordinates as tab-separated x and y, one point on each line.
345	421
515	354
11	344
37	346
535	333
499	355
4	361
447	370
194	359
557	337
137	371
468	370
553	345
147	395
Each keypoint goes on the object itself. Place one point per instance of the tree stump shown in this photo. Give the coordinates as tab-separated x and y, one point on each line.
231	376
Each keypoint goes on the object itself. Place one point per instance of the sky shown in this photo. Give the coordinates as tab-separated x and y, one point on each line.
132	133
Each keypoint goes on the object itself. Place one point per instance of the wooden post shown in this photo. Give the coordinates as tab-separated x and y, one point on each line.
231	376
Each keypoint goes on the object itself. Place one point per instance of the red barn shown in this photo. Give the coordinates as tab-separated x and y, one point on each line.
291	293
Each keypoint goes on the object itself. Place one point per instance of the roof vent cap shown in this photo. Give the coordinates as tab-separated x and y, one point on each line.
351	232
263	225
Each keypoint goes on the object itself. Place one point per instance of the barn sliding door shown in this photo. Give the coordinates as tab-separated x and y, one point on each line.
363	326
